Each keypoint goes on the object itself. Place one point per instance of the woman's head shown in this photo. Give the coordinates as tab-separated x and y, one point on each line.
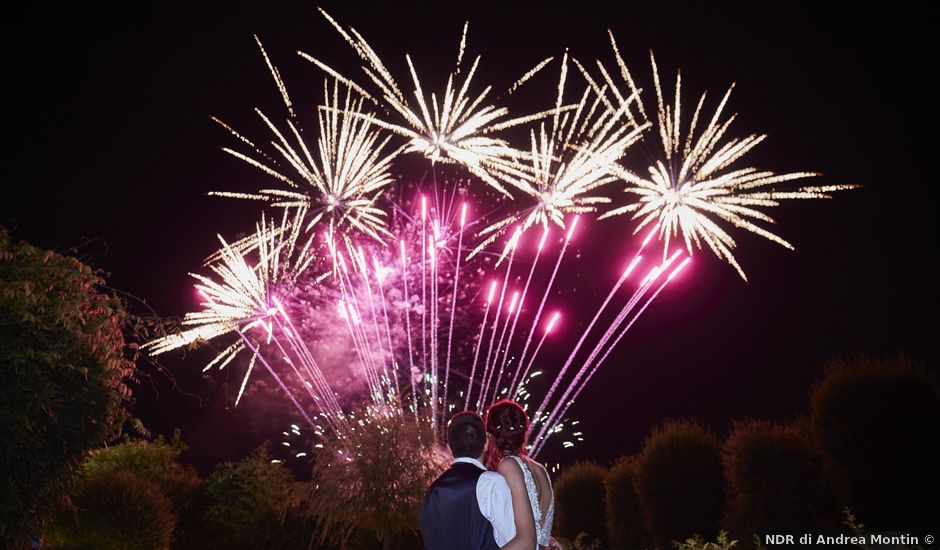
508	426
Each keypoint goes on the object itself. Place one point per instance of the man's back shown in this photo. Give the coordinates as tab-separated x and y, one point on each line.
450	517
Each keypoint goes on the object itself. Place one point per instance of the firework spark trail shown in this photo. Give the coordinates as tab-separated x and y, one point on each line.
499	308
633	263
424	292
435	386
453	303
313	393
311	363
315	370
577	347
630	304
388	328
625	311
513	305
639	313
515	320
548	289
479	344
364	275
350	314
407	308
277	379
353	318
513	389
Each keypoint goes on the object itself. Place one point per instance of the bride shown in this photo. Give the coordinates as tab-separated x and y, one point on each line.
533	503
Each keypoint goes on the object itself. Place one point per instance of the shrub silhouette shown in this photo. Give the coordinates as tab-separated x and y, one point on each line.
113	511
377	496
62	372
679	479
876	420
156	461
626	527
580	502
246	503
774	481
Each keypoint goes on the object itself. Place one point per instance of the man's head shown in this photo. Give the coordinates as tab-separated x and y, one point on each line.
466	435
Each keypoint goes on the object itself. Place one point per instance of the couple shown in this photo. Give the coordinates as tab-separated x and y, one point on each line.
471	508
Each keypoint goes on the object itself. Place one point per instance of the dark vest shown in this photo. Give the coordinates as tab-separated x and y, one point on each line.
450	517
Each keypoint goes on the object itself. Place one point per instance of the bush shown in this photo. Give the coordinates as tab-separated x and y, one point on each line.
158	462
679	479
579	502
774	481
626	527
876	419
247	504
62	372
113	511
374	489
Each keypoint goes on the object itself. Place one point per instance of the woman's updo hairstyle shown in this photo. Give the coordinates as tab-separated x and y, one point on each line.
508	425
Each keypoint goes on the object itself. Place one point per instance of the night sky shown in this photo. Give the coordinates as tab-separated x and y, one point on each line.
111	149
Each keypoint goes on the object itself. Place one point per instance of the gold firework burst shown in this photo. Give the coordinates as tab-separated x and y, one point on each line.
345	177
694	185
453	127
568	162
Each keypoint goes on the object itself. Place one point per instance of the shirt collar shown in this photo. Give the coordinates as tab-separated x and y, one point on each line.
468	460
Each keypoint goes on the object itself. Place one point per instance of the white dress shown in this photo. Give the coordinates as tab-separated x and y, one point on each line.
543	522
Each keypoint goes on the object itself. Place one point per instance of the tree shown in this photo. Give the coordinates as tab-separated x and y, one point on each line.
113	510
373	485
626	528
876	419
62	373
157	462
774	480
580	502
246	504
679	478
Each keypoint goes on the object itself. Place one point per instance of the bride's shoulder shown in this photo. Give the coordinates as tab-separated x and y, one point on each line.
509	468
538	469
535	465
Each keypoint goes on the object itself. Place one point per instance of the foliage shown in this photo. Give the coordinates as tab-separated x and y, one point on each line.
247	504
580	502
380	491
679	479
113	510
698	543
626	526
62	373
774	480
875	419
156	461
579	543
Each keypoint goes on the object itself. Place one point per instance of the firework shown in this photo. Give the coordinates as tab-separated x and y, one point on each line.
241	296
396	308
456	126
694	184
341	179
568	161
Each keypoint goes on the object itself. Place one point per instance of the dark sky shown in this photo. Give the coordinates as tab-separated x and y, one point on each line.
108	142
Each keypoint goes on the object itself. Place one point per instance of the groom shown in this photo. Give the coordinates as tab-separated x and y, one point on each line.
467	507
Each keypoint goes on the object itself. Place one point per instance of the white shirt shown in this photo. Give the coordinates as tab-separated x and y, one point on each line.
495	501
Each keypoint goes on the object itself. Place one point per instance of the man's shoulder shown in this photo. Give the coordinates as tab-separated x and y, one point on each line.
492	480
